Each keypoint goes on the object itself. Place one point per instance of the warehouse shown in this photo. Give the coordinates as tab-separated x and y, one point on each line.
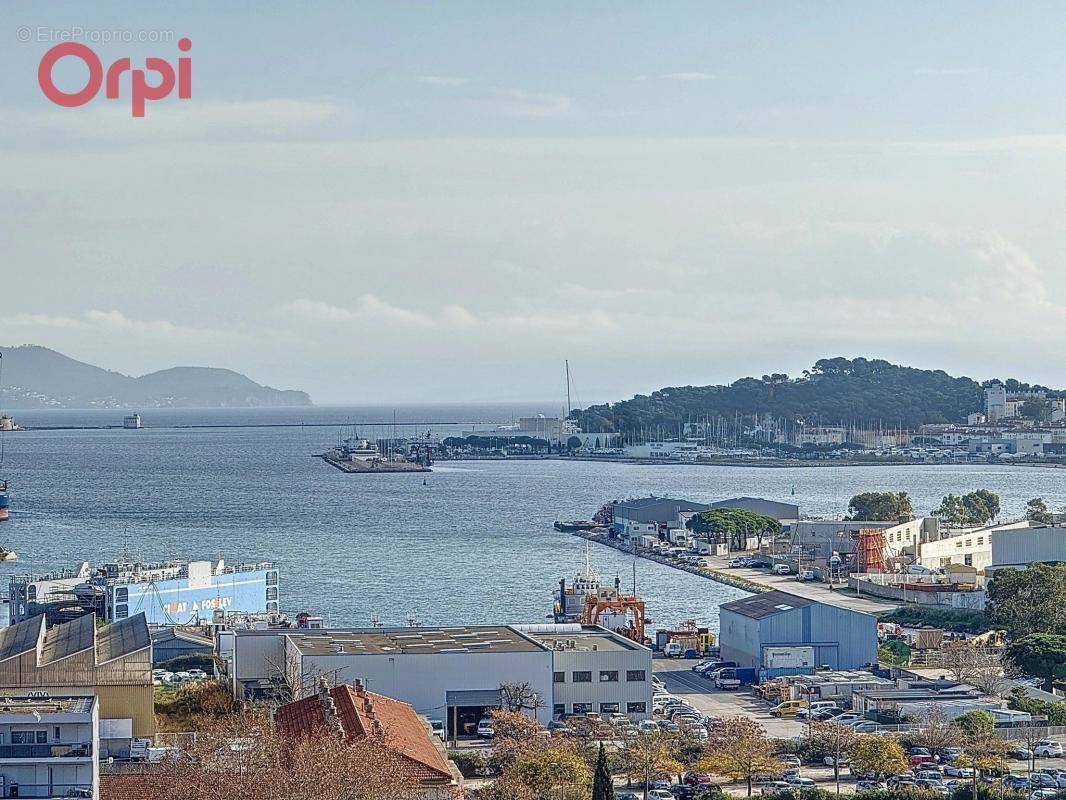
595	670
778	633
455	674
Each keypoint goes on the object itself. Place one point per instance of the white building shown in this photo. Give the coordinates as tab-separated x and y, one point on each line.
450	674
1020	547
996	402
595	670
971	547
821	435
49	746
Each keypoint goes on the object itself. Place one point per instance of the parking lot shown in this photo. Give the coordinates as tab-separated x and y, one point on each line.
680	680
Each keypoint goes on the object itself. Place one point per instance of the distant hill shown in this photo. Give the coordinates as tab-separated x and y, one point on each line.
36	377
835	391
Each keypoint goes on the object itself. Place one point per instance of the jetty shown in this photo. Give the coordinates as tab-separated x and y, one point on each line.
372	466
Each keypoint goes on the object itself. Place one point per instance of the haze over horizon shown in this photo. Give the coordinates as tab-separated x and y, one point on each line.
441	203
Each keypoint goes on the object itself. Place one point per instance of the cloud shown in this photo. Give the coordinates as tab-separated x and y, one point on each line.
369	308
531	105
441	80
97	321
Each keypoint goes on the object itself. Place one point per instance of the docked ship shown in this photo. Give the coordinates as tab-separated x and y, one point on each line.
168	593
587	601
5	502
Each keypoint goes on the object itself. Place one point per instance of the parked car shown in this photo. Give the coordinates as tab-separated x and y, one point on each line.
673	650
1040	780
920	755
660	794
865	726
1047	748
830	761
958	772
484	729
950	753
816	707
805	575
1020	752
775	787
789	708
1016	782
789	759
931	785
782	569
798	782
871	786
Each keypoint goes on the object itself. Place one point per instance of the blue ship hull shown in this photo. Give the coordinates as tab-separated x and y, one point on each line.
4	503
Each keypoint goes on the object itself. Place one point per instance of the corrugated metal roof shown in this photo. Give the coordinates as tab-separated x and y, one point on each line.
767	604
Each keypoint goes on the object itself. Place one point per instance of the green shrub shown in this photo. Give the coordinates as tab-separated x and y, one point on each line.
470	764
955	619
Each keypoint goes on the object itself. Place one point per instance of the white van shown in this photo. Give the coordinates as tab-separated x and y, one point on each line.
672	650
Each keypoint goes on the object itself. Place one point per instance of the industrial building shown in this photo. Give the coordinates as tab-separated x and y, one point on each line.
49	746
633	518
170	642
1019	548
595	670
451	674
80	659
777	633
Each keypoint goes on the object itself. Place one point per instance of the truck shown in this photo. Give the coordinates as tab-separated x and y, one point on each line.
726	679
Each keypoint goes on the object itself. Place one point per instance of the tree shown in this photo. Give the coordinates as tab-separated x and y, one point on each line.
520	697
1036	510
829	740
602	780
880	755
982	750
1042	655
1035	408
981	507
515	736
740	749
553	773
1030	600
318	764
951	510
880	506
935	731
733	525
973	721
982	668
647	758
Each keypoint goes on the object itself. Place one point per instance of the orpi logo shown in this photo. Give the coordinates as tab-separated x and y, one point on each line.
141	89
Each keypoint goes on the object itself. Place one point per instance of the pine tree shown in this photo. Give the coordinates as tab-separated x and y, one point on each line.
602	782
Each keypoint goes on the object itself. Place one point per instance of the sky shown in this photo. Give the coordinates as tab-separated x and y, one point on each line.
404	202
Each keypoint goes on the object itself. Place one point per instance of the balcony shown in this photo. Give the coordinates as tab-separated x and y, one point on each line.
69	750
53	791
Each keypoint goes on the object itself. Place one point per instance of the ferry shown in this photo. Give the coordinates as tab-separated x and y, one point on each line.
4	501
168	593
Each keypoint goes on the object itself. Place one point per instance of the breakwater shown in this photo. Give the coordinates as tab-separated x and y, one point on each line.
710	573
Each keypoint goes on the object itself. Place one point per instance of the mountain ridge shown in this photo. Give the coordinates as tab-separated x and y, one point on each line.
39	377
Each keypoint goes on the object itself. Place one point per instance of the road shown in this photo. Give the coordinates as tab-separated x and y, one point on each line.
813	590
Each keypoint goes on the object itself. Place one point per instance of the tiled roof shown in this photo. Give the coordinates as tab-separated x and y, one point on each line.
131	786
357	711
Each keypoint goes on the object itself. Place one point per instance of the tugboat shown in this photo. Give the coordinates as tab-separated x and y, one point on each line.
588	602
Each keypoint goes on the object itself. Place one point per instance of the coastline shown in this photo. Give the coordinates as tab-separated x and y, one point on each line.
710	573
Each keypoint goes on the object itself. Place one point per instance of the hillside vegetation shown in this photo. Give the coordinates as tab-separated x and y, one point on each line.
834	391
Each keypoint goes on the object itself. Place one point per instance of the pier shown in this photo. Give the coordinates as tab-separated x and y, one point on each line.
362	467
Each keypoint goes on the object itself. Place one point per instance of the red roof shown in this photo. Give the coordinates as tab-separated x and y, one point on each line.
130	786
362	713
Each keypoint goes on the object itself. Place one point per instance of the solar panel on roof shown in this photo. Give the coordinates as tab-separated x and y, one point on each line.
17	639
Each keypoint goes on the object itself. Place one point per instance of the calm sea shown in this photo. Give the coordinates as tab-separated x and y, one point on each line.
473	545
